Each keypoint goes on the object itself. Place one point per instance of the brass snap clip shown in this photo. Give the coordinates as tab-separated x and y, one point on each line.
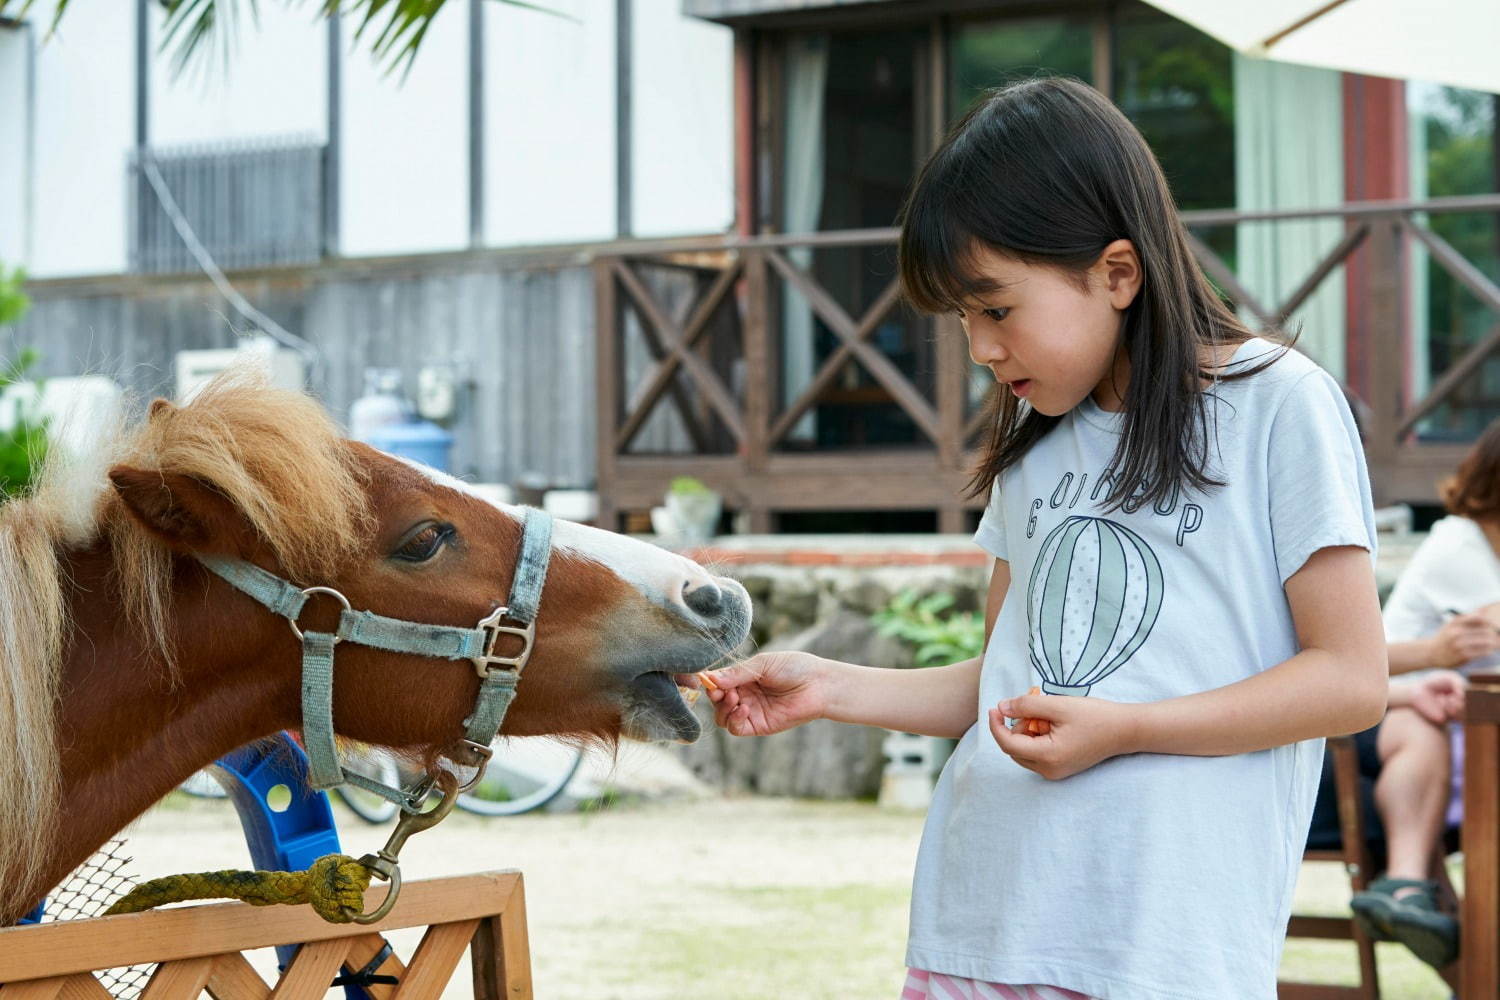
384	864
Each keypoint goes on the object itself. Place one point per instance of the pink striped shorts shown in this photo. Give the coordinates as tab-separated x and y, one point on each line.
924	985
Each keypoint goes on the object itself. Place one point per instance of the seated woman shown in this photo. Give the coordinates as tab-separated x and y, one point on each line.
1444	613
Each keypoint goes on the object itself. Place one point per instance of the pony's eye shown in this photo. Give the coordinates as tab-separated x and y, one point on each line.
424	544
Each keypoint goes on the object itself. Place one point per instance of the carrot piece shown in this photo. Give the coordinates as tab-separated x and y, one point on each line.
1035	727
707	681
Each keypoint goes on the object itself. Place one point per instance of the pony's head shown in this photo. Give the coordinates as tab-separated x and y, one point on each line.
258	474
125	664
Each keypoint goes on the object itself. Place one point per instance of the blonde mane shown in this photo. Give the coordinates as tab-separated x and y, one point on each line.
272	453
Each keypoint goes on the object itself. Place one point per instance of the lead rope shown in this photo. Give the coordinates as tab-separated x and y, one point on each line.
334	885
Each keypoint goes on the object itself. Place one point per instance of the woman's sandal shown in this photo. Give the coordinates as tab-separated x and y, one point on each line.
1413	919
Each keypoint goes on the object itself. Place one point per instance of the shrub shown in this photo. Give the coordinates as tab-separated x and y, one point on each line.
938	638
13	301
23	446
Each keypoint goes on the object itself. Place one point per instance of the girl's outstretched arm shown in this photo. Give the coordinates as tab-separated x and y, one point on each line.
776	691
1337	684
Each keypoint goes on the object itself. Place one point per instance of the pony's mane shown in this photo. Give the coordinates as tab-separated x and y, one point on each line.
274	454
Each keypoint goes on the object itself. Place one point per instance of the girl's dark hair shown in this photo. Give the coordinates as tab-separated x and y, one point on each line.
1048	171
1474	490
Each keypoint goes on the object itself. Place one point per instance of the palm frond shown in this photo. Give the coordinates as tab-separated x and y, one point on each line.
395	28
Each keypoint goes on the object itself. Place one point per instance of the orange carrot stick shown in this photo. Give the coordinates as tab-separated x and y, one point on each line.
707	681
1035	727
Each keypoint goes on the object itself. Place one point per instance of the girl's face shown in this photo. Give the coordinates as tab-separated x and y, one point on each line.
1049	339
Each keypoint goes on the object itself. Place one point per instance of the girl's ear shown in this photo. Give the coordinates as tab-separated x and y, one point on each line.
1119	268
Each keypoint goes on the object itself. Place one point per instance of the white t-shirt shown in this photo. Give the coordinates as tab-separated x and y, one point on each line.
1454	569
1148	876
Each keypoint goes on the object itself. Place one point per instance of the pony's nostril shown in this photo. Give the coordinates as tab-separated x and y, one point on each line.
706	599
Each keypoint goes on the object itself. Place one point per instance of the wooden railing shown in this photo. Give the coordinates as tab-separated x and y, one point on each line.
198	948
743	279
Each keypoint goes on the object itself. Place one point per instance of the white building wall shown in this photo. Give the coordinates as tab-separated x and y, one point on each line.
549	111
13	168
270	79
85	127
682	122
404	166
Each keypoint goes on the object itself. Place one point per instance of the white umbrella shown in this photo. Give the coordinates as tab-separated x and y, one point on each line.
1456	42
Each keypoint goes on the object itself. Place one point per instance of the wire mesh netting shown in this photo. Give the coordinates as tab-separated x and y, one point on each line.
88	892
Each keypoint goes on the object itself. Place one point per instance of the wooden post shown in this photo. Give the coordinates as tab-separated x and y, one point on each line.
1479	956
952	360
608	370
756	456
1385	336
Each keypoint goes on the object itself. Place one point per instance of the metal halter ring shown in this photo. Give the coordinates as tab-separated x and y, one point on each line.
308	592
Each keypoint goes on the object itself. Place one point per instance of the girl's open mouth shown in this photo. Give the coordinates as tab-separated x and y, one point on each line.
1021	387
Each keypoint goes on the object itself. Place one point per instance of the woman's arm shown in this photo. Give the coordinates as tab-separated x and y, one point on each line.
1337	684
1462	638
776	691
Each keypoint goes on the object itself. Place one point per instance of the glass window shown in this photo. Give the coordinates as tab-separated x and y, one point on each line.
985	54
1177	85
1453	138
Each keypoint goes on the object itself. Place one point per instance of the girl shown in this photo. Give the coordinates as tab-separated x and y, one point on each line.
1181	523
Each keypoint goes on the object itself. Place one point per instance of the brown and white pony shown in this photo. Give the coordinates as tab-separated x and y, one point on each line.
125	665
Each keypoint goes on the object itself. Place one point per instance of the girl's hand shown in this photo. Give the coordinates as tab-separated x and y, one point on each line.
1439	697
1084	732
769	693
1464	638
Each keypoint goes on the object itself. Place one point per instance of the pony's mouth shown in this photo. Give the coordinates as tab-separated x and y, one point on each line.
656	708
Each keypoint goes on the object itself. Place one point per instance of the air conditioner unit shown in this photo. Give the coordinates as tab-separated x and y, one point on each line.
287	368
76	407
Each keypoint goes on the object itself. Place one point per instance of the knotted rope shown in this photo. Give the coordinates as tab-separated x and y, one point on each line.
334	885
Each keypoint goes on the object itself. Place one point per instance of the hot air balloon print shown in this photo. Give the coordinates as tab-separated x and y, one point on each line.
1094	596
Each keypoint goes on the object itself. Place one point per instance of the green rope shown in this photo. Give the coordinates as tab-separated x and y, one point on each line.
334	885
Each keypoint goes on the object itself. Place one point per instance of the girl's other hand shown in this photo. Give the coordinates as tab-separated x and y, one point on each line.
1463	638
1084	731
769	693
1439	697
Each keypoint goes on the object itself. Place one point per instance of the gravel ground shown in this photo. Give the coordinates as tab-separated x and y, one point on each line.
740	899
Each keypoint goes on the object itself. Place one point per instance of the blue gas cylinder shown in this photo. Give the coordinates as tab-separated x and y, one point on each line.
419	441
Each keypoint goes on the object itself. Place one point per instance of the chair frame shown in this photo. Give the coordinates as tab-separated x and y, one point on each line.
1354	854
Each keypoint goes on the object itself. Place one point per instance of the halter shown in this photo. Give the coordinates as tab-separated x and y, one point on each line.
498	675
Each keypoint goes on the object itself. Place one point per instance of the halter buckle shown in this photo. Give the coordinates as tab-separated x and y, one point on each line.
487	662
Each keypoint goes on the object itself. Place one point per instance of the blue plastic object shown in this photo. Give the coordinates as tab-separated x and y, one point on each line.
419	441
289	840
286	840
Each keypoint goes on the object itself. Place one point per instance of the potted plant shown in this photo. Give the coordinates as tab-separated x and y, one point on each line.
693	510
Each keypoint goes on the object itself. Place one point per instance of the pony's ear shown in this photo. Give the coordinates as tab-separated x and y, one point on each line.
185	512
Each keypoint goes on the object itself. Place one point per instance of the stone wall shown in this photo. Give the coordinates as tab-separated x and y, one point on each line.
821	601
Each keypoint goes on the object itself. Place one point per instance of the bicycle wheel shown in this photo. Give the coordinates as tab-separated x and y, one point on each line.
524	774
368	806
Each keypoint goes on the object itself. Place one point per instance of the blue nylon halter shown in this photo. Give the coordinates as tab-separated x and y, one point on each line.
499	675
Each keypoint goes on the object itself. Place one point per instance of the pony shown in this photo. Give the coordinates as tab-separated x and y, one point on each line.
125	665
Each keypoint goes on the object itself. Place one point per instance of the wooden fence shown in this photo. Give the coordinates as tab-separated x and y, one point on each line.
198	948
741	429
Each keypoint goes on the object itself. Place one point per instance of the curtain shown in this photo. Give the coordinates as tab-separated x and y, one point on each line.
1288	141
802	205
